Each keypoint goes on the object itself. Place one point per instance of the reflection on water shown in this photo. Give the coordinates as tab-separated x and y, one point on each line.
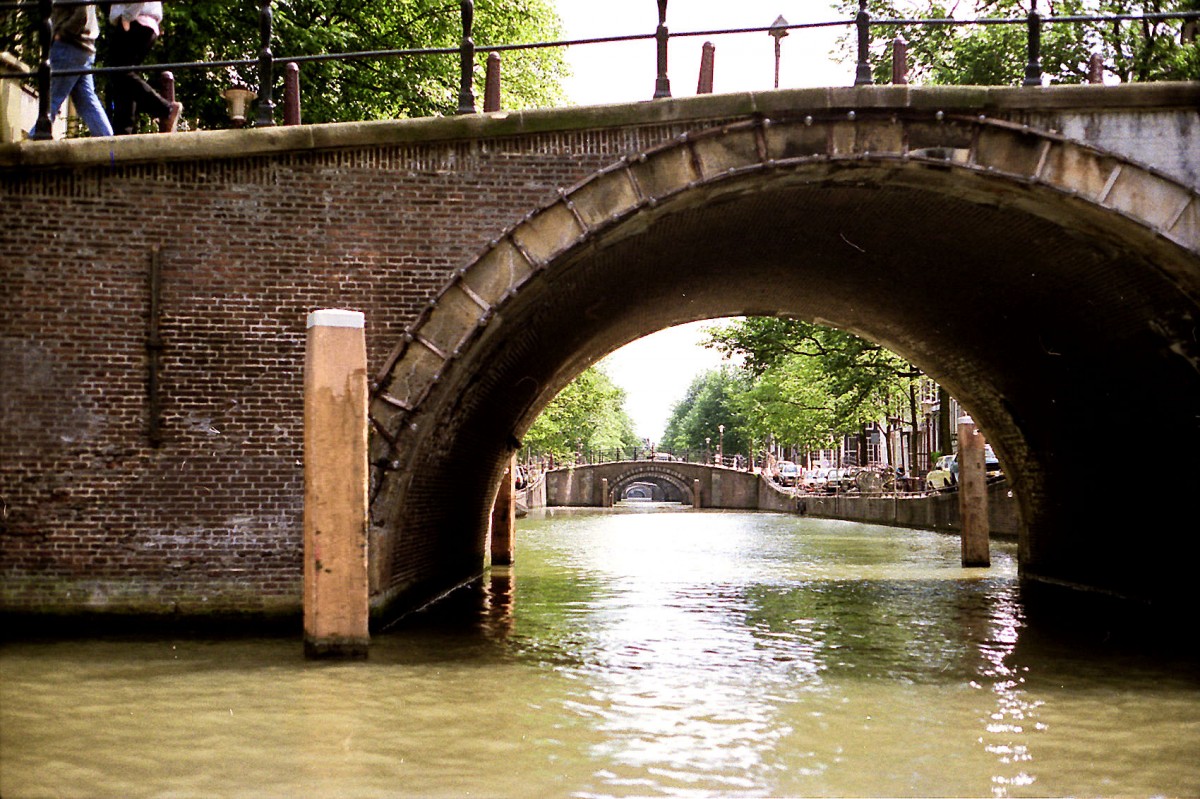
631	654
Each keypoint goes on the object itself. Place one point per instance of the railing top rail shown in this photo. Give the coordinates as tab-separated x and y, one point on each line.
467	49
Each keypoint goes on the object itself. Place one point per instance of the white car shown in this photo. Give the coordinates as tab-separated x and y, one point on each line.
787	473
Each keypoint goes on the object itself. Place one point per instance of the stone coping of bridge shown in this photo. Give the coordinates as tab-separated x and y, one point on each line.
998	100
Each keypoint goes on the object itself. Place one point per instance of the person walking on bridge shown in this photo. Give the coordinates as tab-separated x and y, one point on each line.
136	27
74	47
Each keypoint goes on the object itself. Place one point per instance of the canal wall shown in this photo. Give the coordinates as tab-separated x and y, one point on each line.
931	512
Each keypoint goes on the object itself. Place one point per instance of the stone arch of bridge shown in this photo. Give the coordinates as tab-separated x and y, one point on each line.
652	491
681	490
1052	288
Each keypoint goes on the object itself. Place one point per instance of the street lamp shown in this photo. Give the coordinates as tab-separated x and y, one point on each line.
707	449
778	31
721	444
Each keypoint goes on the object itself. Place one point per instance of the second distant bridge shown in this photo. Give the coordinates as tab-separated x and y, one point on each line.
694	484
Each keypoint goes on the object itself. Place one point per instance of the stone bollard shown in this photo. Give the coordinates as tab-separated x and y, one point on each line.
491	84
166	87
972	495
336	588
899	61
704	83
291	93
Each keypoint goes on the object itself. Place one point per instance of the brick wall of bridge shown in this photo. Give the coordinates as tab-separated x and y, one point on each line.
210	521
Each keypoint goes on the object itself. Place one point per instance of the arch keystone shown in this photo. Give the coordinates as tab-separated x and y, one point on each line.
880	136
731	150
796	141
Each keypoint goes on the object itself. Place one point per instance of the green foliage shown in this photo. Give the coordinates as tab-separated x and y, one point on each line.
338	91
713	399
589	412
988	55
812	384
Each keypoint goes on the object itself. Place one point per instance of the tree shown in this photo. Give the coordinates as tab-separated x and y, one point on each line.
713	399
588	413
339	91
814	384
997	54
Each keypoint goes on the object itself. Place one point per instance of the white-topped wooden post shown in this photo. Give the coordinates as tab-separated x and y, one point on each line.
504	518
972	495
336	592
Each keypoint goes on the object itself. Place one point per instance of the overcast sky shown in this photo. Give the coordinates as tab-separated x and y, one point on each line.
655	371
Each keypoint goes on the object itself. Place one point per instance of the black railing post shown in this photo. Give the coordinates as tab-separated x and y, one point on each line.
662	85
266	69
862	75
466	59
41	128
1033	67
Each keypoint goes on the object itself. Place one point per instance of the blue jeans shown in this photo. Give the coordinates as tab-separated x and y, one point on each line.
81	88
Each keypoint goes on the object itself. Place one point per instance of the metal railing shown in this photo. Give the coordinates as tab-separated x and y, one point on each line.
597	456
266	60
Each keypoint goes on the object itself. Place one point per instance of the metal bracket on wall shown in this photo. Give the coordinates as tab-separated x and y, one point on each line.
154	348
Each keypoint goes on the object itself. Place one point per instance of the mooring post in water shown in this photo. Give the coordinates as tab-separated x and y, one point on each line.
605	499
972	495
696	493
336	593
504	518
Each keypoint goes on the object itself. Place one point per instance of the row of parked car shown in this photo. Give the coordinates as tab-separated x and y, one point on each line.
816	480
943	476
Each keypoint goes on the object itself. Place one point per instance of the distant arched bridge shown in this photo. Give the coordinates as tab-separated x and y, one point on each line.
695	484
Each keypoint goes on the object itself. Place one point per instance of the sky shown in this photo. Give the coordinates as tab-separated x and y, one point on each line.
656	371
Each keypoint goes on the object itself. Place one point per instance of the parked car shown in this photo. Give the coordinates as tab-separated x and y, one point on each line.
787	473
836	480
815	480
945	470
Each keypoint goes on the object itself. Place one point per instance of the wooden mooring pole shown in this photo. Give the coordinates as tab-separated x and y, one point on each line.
504	518
336	590
972	495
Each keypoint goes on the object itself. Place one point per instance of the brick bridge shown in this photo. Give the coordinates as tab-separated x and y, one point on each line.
1035	250
602	484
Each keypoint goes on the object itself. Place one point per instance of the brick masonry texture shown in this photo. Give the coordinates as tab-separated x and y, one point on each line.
93	516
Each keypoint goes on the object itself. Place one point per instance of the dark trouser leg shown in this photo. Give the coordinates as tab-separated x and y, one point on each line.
130	92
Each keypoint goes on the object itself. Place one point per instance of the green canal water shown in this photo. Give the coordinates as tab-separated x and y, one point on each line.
641	652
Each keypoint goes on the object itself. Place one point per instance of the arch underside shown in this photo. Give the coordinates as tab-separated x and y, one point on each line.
672	488
1052	289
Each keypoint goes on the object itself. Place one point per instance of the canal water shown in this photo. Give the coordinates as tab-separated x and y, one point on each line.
647	651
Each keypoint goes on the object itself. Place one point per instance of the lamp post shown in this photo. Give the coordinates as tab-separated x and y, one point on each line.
721	444
777	32
707	448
